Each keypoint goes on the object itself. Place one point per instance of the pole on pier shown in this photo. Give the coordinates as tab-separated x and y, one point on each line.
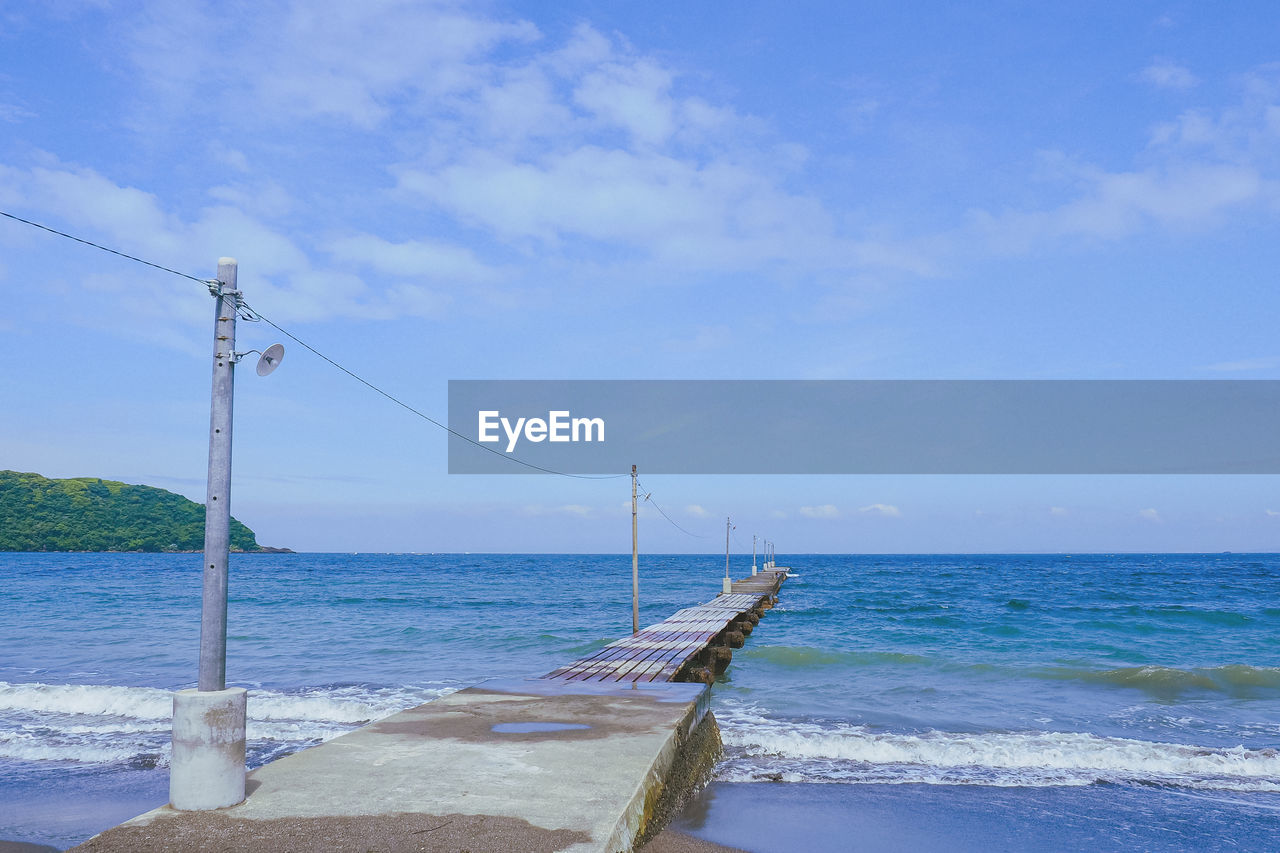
728	584
635	560
753	555
207	767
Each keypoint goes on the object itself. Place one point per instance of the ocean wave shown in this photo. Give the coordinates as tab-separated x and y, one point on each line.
800	657
107	724
761	749
1237	680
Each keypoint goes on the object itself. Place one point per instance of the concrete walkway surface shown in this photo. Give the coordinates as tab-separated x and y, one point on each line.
512	765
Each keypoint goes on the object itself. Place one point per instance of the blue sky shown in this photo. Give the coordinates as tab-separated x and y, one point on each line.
442	191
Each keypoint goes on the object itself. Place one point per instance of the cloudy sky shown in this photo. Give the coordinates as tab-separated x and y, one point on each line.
753	190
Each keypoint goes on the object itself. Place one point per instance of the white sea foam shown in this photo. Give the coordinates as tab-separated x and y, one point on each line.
762	749
109	724
146	703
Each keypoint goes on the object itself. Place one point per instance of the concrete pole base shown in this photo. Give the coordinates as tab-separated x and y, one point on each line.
753	570
207	769
728	586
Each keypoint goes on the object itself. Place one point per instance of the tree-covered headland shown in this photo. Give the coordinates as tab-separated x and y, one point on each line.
88	514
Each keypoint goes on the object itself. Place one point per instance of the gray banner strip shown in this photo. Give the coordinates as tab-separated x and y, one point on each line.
867	426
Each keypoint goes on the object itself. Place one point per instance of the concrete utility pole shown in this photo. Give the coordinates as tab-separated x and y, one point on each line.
217	517
207	768
635	560
753	555
728	584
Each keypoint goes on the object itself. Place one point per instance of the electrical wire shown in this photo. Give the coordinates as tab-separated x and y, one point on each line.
254	316
649	497
425	417
246	312
204	281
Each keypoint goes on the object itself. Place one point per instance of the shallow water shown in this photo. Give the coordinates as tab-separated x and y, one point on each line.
1003	686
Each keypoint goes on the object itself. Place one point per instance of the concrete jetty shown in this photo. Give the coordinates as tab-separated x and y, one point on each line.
595	756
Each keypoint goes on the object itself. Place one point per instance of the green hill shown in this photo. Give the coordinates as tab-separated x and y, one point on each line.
87	514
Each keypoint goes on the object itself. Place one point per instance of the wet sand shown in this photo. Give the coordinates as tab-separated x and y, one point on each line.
672	841
668	841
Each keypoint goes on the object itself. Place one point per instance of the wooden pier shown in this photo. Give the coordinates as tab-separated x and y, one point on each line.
689	645
594	757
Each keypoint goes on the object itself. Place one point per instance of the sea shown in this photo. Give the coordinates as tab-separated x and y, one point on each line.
946	703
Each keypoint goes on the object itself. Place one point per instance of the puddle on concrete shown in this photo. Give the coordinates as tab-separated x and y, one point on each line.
527	728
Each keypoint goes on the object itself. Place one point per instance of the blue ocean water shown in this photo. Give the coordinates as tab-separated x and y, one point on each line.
1104	702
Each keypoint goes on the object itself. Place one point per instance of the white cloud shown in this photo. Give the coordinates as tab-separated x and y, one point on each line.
586	156
632	95
696	511
276	273
1150	515
13	113
355	63
413	259
1178	195
1168	75
1273	513
1243	365
703	339
1058	510
824	511
1195	172
229	156
577	510
675	211
887	510
266	199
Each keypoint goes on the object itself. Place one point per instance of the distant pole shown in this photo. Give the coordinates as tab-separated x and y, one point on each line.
753	555
728	584
635	560
217	517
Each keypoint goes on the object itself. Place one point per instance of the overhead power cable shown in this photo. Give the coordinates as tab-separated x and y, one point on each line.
649	498
254	315
103	248
425	417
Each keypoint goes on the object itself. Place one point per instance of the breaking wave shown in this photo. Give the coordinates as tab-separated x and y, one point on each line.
105	724
759	749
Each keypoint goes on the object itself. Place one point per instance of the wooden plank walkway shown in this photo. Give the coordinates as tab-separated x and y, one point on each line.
680	647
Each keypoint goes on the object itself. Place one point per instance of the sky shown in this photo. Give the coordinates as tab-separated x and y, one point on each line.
584	190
